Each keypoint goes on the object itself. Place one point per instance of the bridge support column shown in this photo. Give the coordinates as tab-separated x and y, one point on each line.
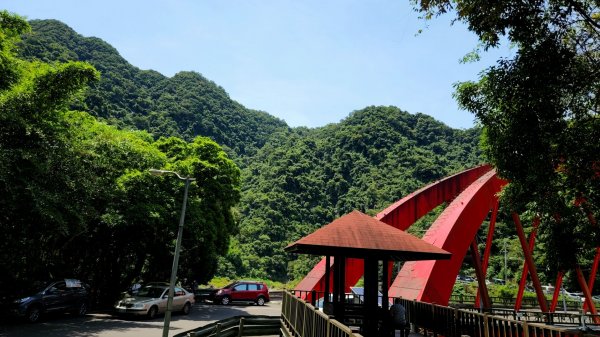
525	271
485	298
530	264
488	245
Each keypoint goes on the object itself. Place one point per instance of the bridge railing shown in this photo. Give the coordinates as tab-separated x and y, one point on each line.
452	322
507	302
301	319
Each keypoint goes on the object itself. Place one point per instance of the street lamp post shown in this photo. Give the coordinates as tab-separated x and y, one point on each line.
187	180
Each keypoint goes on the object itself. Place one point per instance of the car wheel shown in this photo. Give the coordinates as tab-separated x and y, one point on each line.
152	312
81	309
225	300
186	308
34	314
260	301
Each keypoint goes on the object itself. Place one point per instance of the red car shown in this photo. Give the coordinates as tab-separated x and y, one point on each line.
242	291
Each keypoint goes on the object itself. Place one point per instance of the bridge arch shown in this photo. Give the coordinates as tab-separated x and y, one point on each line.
471	194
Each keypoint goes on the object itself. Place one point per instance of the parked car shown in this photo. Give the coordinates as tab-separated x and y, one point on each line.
151	300
577	296
464	279
203	294
548	289
242	291
68	295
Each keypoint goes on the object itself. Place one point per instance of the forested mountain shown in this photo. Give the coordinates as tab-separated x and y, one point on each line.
184	105
304	178
293	179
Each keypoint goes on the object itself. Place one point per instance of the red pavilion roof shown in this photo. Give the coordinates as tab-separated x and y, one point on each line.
359	235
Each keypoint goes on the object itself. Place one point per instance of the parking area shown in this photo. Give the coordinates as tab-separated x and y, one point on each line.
104	324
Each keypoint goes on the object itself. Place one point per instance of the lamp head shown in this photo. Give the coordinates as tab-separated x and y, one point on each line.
156	172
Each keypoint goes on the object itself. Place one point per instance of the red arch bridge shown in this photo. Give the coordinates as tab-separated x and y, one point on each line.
472	199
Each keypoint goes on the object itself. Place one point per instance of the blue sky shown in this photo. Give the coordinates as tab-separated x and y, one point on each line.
308	62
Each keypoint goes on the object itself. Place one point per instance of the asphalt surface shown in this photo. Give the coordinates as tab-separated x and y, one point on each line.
103	324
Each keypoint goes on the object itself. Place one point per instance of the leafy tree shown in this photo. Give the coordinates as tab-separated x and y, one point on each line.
77	199
539	111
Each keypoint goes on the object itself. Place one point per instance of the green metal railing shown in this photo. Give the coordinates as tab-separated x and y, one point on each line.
238	326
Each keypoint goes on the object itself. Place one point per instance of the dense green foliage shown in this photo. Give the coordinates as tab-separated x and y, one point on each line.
185	105
293	180
302	179
76	196
540	111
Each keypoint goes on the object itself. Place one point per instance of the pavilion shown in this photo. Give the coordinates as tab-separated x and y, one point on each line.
357	235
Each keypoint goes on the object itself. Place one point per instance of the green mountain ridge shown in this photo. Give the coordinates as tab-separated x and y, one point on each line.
294	179
144	99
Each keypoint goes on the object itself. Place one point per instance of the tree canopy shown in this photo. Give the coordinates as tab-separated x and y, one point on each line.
539	111
75	191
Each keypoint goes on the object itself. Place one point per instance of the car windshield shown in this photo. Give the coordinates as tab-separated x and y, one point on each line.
230	285
154	292
33	288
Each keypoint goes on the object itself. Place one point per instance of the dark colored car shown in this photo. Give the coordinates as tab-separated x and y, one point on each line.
66	295
242	291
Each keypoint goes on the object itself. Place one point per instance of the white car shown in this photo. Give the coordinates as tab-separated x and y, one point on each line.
151	300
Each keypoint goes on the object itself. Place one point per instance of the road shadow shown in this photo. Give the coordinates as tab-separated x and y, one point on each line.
105	323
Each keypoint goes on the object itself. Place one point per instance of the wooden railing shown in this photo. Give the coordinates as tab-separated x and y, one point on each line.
301	319
436	320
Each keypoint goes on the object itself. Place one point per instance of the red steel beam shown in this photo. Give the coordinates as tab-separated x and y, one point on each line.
557	288
587	294
488	245
404	212
453	231
401	215
593	272
536	223
487	304
530	264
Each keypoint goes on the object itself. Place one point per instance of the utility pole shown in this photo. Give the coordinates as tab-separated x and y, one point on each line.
505	262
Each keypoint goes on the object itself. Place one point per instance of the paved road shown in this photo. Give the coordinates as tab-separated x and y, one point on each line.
105	325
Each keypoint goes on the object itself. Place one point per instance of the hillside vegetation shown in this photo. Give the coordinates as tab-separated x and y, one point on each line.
293	179
184	105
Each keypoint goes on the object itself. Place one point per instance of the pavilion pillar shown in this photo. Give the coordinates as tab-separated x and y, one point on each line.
327	278
385	285
339	291
371	294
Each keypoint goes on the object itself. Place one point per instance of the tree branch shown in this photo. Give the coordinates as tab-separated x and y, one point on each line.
583	13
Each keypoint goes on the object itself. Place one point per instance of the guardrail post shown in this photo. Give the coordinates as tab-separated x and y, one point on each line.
218	330
241	330
525	329
486	326
303	321
457	327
